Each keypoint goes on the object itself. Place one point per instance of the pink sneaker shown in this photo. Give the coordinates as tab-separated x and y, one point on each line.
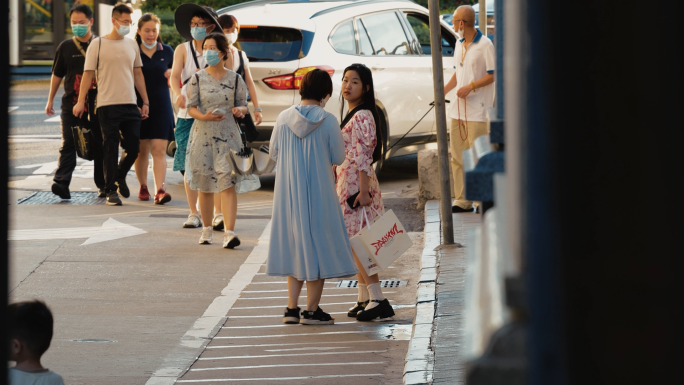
144	194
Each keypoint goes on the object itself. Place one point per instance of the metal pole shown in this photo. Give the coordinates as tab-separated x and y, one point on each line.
482	17
440	120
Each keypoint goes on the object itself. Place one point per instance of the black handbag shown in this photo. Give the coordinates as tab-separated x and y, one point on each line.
246	123
87	138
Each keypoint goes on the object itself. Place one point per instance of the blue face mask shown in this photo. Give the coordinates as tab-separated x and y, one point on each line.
198	33
124	30
79	30
149	46
211	57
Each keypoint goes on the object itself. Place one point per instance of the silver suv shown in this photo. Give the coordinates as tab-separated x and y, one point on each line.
286	39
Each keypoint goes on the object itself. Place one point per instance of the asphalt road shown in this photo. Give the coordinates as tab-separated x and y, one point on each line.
127	284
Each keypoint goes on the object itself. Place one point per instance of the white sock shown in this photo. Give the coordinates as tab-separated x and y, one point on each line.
208	227
230	233
375	293
363	293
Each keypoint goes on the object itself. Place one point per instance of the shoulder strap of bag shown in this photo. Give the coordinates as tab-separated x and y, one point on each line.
78	45
194	55
241	68
237	79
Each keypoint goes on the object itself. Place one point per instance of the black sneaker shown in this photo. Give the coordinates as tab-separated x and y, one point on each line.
291	316
318	317
382	312
61	190
357	308
459	209
123	187
113	199
101	193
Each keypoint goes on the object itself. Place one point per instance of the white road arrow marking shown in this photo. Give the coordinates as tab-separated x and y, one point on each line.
43	168
110	230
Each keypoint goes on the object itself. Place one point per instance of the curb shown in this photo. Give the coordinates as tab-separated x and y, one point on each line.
420	357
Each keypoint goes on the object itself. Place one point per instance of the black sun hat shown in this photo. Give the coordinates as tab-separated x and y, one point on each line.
184	14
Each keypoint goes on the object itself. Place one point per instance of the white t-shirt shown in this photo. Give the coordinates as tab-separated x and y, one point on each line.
18	377
236	60
478	61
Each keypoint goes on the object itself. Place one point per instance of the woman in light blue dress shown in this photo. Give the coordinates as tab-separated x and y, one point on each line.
309	240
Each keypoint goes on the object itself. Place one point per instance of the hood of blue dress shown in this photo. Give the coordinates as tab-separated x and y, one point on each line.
303	120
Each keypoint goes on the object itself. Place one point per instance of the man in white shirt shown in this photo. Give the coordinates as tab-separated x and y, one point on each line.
474	83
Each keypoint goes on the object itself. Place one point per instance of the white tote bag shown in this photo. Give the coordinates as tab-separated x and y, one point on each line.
380	243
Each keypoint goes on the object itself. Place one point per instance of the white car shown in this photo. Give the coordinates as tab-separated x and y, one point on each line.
286	39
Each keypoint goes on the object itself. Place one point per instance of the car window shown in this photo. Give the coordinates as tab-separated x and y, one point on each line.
270	43
386	34
422	30
365	45
343	40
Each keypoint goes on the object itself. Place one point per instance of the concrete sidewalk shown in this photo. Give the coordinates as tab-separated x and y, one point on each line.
435	356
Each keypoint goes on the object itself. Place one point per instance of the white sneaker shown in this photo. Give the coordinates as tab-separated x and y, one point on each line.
207	235
192	222
230	240
217	222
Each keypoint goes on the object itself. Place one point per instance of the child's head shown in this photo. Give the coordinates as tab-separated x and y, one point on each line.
30	330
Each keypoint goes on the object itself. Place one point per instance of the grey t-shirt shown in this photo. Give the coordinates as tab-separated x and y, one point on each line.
118	59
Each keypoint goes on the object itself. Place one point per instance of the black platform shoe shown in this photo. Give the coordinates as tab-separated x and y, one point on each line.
357	308
381	312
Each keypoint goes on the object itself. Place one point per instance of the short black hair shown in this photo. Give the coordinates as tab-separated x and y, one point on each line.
221	43
316	85
120	8
31	322
82	8
228	21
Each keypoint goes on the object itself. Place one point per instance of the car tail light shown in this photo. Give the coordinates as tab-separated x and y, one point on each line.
294	81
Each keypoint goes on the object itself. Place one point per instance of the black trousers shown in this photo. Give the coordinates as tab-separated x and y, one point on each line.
67	155
120	123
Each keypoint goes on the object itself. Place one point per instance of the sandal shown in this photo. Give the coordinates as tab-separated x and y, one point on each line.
318	317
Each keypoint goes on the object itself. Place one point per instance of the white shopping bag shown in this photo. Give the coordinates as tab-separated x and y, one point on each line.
380	243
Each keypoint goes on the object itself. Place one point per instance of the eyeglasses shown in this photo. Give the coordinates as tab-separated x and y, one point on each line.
200	24
126	22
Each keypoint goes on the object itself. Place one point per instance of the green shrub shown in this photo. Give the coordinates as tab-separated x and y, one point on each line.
170	36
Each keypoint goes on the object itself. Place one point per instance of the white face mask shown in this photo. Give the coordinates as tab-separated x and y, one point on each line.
232	37
324	101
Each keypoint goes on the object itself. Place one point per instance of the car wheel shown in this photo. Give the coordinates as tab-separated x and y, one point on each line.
377	166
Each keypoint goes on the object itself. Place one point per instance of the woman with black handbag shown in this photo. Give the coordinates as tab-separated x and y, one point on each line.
240	64
215	96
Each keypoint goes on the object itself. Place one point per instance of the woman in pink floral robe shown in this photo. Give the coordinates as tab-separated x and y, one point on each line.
356	175
359	142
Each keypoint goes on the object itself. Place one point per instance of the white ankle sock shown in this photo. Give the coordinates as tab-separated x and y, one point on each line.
363	293
230	232
375	293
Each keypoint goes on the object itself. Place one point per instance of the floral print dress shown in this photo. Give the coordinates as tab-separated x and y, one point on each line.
206	166
359	142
